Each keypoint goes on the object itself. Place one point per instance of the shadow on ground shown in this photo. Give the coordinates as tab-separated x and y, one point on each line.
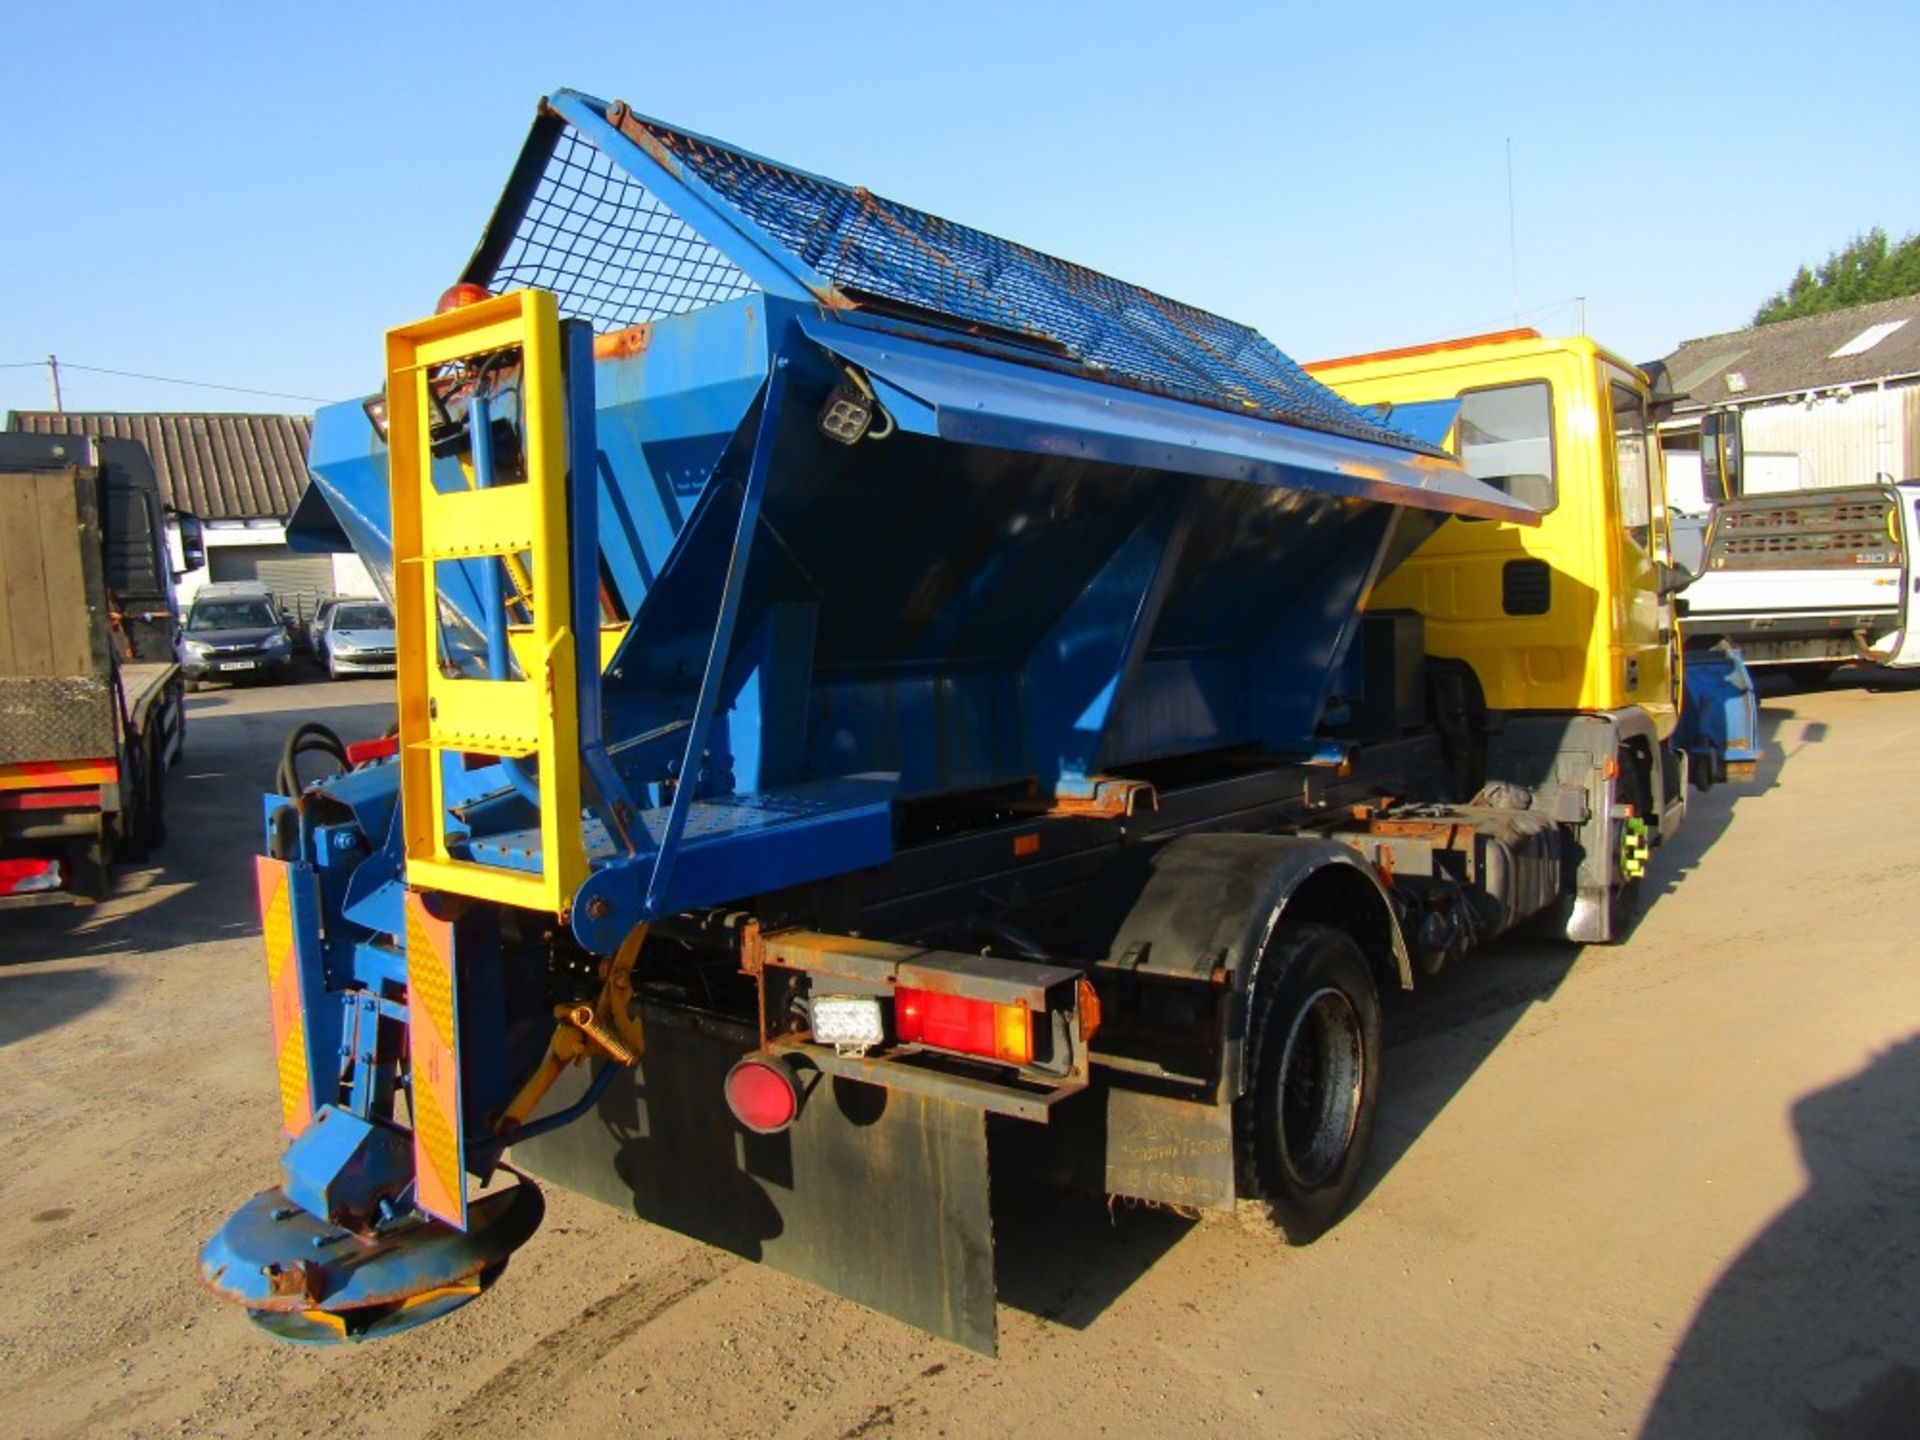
1871	678
1067	1256
35	1000
1815	1328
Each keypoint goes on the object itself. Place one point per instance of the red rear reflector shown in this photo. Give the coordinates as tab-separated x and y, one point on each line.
27	877
761	1094
973	1027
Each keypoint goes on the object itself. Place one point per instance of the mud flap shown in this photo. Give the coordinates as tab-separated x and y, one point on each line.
1168	1150
875	1195
1563	758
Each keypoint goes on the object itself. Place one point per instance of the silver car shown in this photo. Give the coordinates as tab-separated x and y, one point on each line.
357	639
317	622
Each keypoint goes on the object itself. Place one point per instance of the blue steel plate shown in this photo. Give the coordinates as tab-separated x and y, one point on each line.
983	400
304	1280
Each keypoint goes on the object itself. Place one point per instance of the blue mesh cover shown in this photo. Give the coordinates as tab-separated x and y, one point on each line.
590	230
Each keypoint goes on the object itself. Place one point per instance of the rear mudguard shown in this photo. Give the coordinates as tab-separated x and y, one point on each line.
1200	910
1208	903
1571	763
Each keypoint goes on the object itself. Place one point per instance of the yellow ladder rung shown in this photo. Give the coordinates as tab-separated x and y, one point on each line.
513	746
471	550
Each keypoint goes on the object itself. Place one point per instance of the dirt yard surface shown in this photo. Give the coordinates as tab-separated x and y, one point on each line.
1668	1188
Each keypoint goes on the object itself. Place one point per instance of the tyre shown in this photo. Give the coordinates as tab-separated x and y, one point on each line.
136	787
1809	677
153	817
1304	1125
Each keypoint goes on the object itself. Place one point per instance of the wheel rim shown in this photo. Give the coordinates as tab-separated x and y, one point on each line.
1321	1074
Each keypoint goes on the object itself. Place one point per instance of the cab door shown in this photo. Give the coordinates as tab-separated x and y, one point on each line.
1643	620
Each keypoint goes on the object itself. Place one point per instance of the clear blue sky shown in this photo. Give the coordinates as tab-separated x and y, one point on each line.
250	194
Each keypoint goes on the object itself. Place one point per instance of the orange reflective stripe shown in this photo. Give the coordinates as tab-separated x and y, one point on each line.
433	1039
283	993
41	774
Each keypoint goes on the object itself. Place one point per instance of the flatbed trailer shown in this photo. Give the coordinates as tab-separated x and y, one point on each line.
872	696
91	696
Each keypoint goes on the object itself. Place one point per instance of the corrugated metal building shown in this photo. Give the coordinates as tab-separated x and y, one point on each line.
1825	400
241	474
219	467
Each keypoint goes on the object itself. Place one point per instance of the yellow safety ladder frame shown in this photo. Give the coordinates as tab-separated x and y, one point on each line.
535	717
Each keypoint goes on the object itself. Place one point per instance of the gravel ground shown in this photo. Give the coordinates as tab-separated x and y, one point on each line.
1670	1187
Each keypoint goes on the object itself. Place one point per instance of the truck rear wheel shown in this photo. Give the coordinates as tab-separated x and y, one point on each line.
153	815
1304	1125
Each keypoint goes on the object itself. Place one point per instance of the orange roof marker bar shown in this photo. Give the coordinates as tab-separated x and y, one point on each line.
1407	352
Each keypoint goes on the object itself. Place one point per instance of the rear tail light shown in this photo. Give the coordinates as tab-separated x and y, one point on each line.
762	1094
28	877
972	1027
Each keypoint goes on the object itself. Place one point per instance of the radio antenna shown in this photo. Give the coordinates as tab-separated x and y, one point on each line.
1513	247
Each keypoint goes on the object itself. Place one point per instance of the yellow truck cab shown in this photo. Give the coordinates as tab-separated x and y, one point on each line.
1569	618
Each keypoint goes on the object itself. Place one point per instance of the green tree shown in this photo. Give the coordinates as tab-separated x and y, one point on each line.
1869	268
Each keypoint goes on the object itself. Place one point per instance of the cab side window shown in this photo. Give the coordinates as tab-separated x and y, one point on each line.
1505	438
1631	470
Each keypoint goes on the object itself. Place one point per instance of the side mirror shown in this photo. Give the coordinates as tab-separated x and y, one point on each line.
193	542
1661	396
1672	578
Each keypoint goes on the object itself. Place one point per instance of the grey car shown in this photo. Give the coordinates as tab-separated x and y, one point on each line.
235	637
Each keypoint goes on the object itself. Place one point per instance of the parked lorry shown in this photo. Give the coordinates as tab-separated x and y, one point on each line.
91	709
873	696
1805	581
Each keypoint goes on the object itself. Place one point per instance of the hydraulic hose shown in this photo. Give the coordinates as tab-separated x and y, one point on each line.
595	1089
310	738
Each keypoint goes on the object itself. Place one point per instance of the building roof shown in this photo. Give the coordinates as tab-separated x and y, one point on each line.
217	466
1855	346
